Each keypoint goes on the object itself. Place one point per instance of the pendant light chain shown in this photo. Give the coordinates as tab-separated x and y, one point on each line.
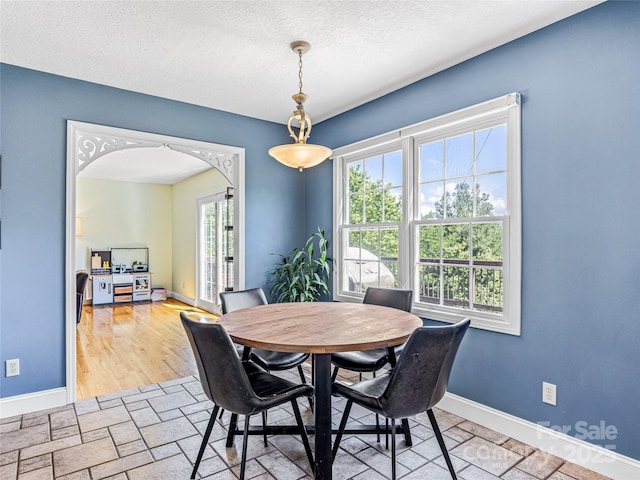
300	69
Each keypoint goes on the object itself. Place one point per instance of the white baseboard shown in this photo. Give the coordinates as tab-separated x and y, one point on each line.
31	402
182	298
604	461
191	302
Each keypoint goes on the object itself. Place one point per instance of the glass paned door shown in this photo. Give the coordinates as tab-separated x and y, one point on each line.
212	242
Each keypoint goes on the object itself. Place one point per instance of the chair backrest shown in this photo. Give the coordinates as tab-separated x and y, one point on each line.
420	378
222	375
81	281
389	297
232	301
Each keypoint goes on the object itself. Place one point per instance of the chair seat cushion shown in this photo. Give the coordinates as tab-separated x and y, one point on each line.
277	360
366	393
365	361
273	390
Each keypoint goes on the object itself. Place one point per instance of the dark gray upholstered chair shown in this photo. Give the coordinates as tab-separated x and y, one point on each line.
241	387
81	284
374	360
416	384
270	361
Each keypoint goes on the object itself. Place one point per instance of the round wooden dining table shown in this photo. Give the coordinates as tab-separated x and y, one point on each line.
320	328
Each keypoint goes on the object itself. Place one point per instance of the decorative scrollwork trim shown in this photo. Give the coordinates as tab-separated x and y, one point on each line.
221	161
92	147
92	142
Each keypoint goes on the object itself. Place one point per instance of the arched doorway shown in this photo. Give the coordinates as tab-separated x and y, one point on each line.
87	143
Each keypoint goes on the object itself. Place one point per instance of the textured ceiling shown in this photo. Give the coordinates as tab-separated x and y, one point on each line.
235	56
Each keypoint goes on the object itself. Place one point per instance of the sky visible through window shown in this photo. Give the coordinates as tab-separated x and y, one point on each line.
444	164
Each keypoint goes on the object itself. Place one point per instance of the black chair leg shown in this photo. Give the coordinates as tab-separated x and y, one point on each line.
221	413
304	380
343	423
303	432
386	433
334	375
233	425
301	373
393	449
377	416
407	432
205	439
245	436
264	427
443	447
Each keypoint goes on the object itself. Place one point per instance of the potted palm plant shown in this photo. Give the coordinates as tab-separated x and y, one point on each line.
303	275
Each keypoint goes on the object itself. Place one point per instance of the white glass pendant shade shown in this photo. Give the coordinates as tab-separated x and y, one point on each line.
300	155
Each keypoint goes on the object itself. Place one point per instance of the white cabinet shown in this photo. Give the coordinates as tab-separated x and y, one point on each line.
102	290
141	287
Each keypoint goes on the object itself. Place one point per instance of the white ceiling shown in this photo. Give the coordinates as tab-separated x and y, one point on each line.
234	55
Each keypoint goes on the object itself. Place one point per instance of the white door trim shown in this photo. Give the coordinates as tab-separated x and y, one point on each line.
211	197
227	159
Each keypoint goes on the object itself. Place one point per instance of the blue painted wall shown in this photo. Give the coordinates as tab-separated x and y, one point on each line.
580	84
35	108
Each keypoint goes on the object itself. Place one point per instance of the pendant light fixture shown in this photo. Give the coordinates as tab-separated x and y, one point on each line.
300	154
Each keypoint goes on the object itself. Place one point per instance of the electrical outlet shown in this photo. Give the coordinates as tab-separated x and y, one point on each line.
13	367
549	393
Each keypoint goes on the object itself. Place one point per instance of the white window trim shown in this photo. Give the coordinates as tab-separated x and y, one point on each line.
507	108
391	143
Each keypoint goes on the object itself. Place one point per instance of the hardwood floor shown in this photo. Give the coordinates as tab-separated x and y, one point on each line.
127	346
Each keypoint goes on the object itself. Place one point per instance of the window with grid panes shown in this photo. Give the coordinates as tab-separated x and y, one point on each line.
462	187
435	207
374	211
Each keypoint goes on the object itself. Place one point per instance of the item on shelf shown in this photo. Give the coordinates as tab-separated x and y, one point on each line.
100	261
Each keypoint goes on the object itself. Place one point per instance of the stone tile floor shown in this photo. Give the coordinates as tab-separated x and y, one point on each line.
154	433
